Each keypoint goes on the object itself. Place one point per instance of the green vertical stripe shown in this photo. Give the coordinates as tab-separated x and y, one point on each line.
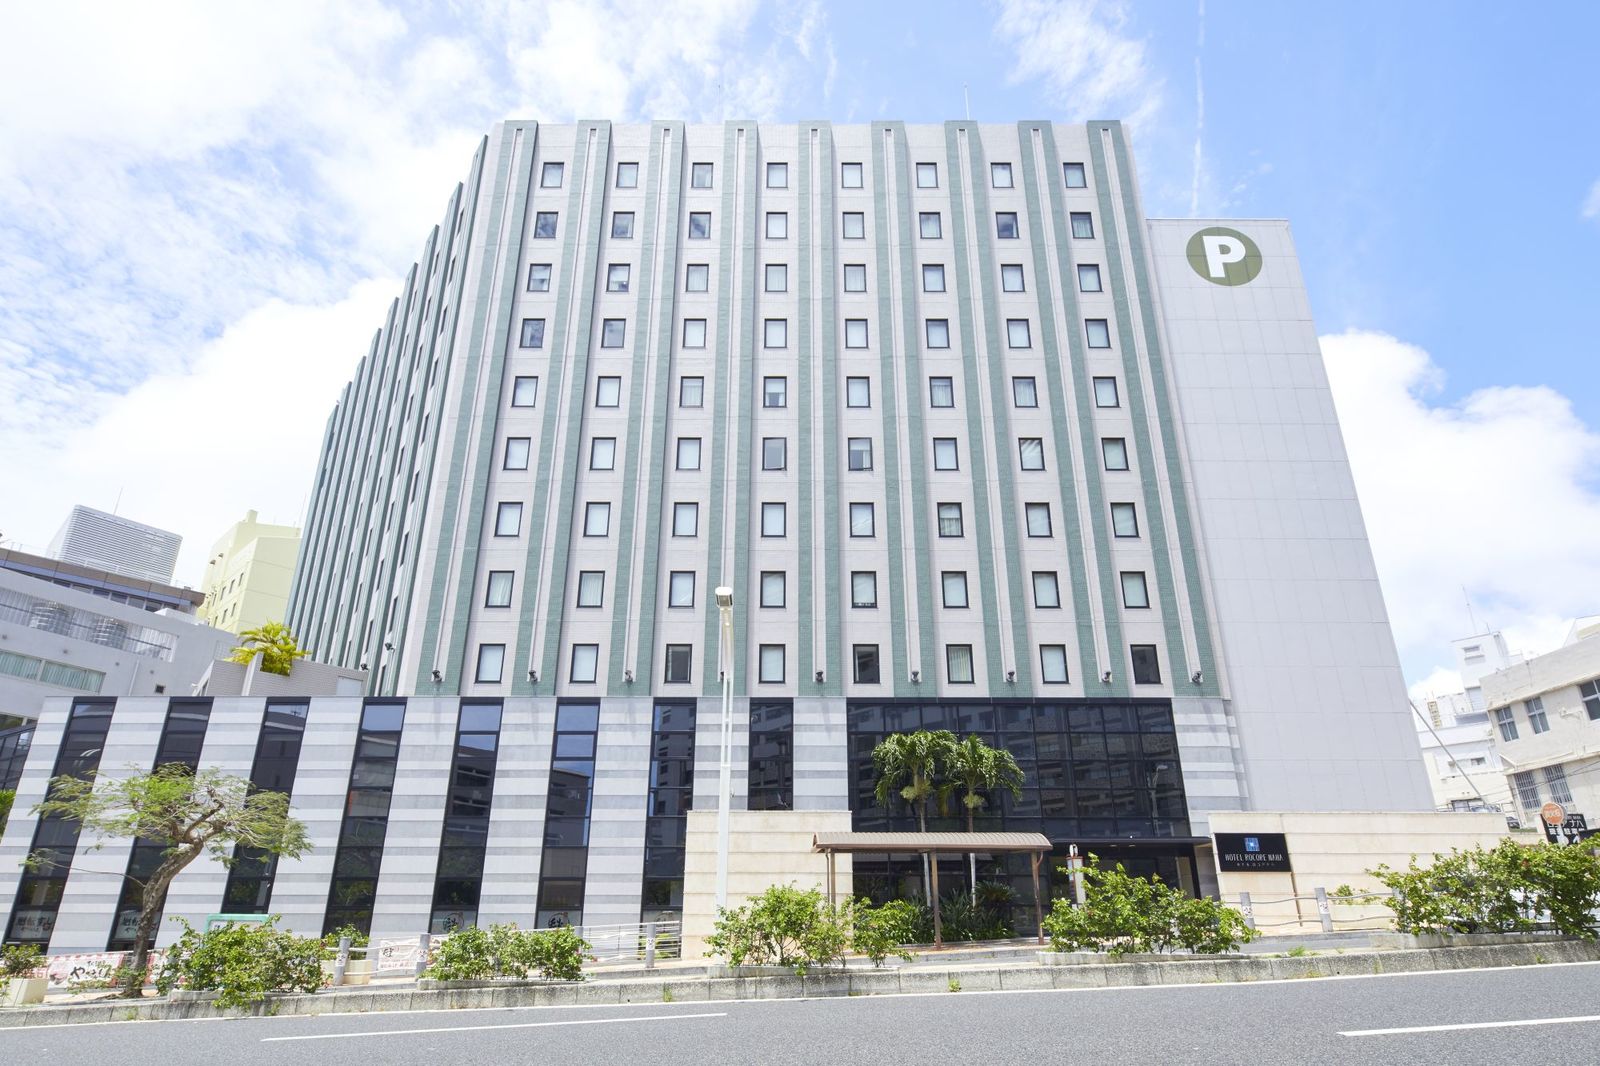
832	621
805	591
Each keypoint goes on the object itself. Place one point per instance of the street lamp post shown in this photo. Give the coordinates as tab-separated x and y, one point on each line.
724	596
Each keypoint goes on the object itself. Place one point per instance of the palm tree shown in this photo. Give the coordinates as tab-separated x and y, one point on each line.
973	767
909	765
274	643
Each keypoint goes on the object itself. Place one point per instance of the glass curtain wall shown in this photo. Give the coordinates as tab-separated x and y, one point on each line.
671	797
564	865
459	882
366	817
283	728
771	755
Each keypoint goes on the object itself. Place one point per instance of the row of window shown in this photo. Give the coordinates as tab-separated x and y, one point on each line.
701	175
772	664
852	225
1506	721
1555	779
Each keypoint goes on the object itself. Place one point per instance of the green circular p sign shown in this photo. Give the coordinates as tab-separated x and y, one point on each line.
1224	256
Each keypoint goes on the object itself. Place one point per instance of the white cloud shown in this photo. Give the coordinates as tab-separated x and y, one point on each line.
1494	494
1591	206
1080	52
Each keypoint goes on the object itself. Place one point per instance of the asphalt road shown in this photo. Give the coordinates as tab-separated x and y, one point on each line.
1545	1014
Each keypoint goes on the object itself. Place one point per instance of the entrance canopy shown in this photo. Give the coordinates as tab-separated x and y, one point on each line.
1037	845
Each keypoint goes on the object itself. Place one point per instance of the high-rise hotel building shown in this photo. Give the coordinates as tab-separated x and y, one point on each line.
975	443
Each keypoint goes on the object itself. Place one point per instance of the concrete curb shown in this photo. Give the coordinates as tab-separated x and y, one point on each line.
973	978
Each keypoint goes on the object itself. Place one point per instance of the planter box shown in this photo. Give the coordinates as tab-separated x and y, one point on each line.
356	971
22	991
717	969
1414	941
430	984
1091	958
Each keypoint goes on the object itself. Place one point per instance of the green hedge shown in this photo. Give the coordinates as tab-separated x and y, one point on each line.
1123	914
242	963
475	954
798	928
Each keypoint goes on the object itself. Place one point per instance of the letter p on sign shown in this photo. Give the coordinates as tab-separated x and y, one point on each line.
1224	256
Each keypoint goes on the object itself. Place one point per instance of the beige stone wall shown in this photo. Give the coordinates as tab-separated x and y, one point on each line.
1329	849
765	848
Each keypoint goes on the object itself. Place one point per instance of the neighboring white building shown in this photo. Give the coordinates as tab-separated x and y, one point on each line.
1545	713
94	538
1463	766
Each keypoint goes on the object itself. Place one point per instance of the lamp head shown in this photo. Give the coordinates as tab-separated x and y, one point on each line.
724	596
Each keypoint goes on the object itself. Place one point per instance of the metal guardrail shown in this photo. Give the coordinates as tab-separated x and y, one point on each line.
1323	904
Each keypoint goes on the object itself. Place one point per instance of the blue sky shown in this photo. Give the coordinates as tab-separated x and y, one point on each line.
205	210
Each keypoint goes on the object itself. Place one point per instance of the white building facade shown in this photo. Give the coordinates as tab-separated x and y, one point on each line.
94	538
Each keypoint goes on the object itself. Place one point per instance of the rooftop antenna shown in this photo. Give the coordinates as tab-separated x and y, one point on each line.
967	100
1470	616
118	505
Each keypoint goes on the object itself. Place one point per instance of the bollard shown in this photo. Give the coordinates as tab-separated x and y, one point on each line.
649	945
1244	908
424	946
341	961
1322	910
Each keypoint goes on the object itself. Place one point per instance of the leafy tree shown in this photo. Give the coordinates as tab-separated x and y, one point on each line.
242	962
7	798
975	768
909	765
1125	914
784	926
274	643
1505	889
190	814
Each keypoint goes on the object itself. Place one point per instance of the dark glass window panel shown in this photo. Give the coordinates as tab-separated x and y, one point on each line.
465	832
368	803
1146	665
939	716
1155	719
663	862
1122	746
478	746
673	746
562	831
1056	803
363	832
378	748
668	802
574	746
245	895
664	894
1089	746
373	773
672	773
1160	745
1049	746
975	718
456	892
674	718
902	718
1015	717
1020	745
560	895
358	862
1120	718
42	892
383	717
568	800
578	717
1049	718
480	718
865	718
776	716
568	863
665	832
1053	775
572	770
469	804
1085	718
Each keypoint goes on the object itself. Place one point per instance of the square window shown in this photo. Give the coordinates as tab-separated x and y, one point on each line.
777	277
777	175
688	453
776	333
533	333
1537	718
1053	664
508	520
860	453
538	277
866	663
550	176
622	225
516	457
1011	278
498	591
1098	332
627	175
777	225
927	175
597	519
697	277
774	452
591	588
694	333
1124	520
1115	452
941	392
863	588
491	663
1105	393
524	392
855	333
771	668
1134	591
1082	226
945	454
938	330
1024	393
1031	452
608	391
958	664
680	588
1038	516
1046	589
861	520
1000	175
775	392
850	175
858	392
544	225
1146	667
855	226
691	391
950	520
1504	717
1088	277
933	277
1005	226
928	225
685	519
773	588
774	519
617	277
585	664
855	277
603	453
1017	333
700	225
954	583
700	175
680	657
1074	175
613	331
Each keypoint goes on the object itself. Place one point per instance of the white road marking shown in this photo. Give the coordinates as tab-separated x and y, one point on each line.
1473	1025
481	1028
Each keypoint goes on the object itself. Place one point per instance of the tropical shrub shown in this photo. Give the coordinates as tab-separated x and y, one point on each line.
1509	888
784	926
18	960
474	954
7	798
1124	914
878	932
330	942
242	963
